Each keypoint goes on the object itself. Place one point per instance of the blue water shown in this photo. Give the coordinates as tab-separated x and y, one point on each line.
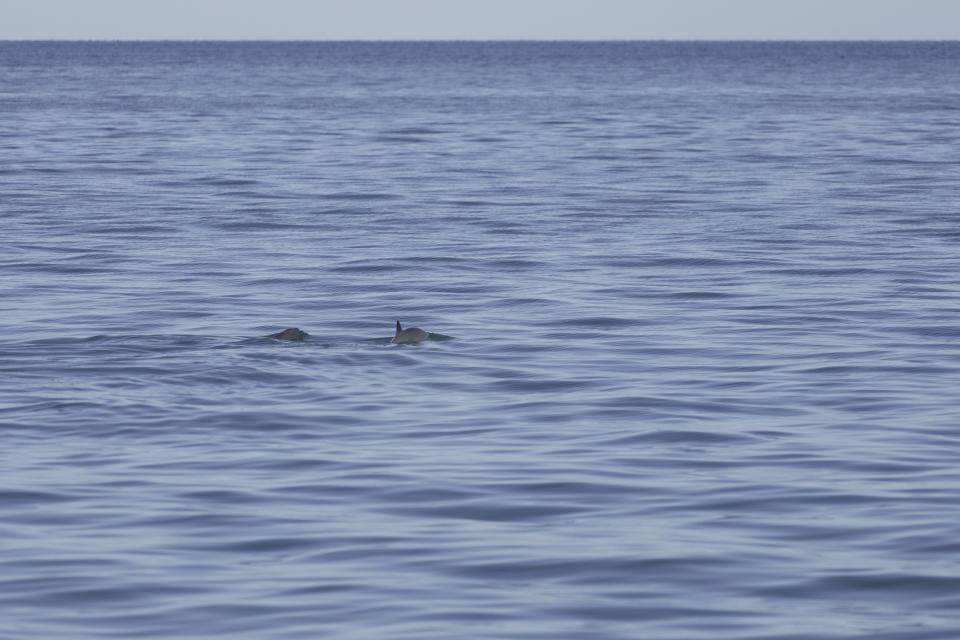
701	381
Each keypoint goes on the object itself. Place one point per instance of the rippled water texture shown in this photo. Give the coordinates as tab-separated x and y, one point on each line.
693	371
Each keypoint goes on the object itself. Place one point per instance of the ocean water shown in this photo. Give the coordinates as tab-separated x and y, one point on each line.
694	371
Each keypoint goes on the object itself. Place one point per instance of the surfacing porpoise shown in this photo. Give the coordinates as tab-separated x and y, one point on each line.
409	336
293	334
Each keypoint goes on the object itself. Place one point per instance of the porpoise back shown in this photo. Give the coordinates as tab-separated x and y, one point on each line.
292	334
409	336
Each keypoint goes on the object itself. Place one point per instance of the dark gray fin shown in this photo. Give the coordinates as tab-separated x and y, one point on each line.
399	329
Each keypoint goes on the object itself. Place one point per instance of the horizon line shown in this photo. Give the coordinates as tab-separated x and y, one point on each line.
491	40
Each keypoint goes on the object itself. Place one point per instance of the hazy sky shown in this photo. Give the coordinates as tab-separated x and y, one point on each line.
480	19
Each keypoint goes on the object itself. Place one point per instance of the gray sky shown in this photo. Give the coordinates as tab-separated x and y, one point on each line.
480	19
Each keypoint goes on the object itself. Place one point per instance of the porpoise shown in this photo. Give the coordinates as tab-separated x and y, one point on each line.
292	334
409	336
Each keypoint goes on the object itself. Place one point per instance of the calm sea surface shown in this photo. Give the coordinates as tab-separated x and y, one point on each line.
695	371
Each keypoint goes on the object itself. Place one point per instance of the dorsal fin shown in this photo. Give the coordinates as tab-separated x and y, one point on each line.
399	329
